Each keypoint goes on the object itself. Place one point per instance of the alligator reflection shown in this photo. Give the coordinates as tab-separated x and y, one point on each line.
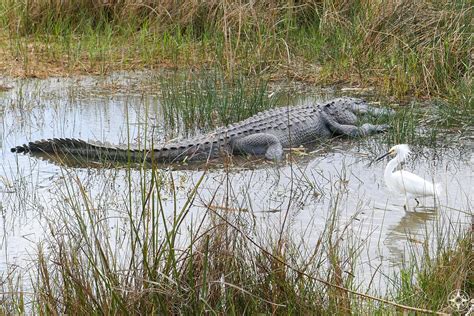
74	161
241	162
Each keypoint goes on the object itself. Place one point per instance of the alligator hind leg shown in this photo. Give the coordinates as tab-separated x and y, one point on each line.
351	130
259	144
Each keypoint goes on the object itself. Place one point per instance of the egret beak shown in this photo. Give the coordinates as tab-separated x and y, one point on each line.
382	157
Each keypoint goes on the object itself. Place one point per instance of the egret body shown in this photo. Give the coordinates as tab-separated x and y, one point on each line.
407	183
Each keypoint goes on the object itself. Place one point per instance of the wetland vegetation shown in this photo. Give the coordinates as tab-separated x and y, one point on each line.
403	48
312	236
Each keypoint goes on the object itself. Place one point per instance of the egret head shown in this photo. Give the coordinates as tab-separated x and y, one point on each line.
402	151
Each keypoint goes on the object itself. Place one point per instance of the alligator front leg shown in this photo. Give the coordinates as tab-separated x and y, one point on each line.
259	144
352	130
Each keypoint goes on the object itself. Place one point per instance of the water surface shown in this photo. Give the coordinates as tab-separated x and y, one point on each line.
336	175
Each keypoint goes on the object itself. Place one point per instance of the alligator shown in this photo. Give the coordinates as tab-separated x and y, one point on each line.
264	134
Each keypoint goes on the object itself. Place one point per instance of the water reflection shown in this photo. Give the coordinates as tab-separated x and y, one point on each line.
411	229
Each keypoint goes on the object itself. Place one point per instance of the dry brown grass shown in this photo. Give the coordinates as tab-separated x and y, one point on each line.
403	47
164	14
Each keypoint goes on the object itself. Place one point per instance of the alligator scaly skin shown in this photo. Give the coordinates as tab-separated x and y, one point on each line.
265	133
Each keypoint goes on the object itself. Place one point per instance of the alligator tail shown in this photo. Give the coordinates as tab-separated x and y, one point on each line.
106	152
80	149
53	145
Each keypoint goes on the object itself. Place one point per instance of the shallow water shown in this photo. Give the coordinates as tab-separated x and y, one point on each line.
338	175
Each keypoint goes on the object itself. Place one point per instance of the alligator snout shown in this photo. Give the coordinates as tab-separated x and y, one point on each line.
19	149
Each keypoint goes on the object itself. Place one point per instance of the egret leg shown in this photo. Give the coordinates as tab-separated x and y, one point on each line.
417	203
406	206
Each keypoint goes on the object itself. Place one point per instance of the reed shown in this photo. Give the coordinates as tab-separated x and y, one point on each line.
110	252
403	48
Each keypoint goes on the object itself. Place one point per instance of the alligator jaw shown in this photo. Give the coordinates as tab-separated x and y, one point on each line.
19	149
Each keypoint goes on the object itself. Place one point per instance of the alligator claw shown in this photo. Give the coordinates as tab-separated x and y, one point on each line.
383	128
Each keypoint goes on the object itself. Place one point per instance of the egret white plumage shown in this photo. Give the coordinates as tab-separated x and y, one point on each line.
407	183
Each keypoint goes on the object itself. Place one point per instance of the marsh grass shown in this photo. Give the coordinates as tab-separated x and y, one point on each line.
12	296
421	124
113	252
217	270
405	126
132	251
404	48
429	282
208	100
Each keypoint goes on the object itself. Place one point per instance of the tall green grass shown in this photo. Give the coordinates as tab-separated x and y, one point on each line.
208	100
429	283
404	48
144	258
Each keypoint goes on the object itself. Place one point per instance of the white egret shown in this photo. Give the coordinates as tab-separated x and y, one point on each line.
407	183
